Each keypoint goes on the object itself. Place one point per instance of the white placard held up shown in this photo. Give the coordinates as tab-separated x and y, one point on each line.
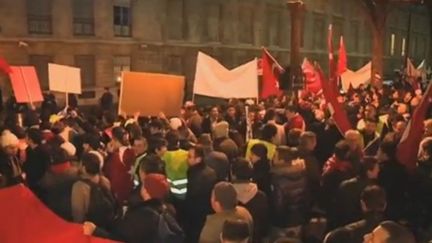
64	79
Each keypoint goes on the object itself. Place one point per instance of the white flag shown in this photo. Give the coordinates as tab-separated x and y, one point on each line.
214	80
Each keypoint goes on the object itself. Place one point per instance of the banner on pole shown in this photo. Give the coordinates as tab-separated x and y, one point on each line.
64	79
25	84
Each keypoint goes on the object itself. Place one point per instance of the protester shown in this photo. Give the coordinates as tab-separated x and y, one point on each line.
10	166
216	160
235	231
391	232
261	168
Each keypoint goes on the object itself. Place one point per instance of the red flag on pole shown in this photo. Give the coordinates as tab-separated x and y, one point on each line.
332	66
4	66
312	79
409	144
343	60
336	110
271	70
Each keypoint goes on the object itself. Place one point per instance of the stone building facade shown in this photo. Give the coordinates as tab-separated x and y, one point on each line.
104	37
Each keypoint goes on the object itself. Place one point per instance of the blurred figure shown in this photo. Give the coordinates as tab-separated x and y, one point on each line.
10	166
235	231
389	232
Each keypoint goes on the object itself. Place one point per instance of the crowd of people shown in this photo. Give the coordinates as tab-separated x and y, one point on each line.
275	171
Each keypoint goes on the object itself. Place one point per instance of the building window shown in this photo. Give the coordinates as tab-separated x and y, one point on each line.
83	17
338	7
175	18
39	16
121	64
122	20
213	30
41	65
319	32
246	24
403	47
87	65
392	44
273	19
355	38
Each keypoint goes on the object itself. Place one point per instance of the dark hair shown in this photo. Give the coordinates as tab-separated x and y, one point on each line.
91	163
242	169
269	115
374	198
389	147
235	230
294	137
156	123
151	164
268	132
157	144
287	154
341	150
58	155
291	108
119	134
173	139
35	135
92	140
226	195
367	164
199	151
397	233
259	150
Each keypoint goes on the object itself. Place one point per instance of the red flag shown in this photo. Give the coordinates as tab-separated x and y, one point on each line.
29	220
336	109
343	60
312	79
409	144
271	71
4	66
332	66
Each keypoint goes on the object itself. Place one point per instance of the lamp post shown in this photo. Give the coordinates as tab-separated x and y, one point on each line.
297	9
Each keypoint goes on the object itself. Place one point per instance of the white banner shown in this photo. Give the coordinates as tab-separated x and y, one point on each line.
361	76
64	79
214	80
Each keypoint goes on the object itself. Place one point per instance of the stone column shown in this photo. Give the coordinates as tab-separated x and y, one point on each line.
297	10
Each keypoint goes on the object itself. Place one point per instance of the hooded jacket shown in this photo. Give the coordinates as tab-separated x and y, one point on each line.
256	202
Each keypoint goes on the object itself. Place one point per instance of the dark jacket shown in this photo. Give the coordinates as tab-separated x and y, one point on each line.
355	232
256	202
227	146
313	172
392	177
201	179
37	163
261	176
10	168
348	199
219	162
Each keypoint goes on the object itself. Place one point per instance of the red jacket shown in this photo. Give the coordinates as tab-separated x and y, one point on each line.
117	170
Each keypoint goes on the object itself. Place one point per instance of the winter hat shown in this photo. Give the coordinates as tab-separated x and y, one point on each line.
175	123
226	195
221	130
156	185
8	139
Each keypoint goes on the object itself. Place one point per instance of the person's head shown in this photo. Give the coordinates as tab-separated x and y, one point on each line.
387	150
342	150
140	145
373	199
370	111
90	164
258	152
221	130
173	139
214	112
206	141
402	108
150	164
428	127
9	143
160	146
270	115
354	140
370	126
196	155
290	112
369	167
175	123
389	232
269	132
231	111
308	141
34	137
427	151
224	197
294	137
242	170
106	89
155	126
235	231
119	137
91	142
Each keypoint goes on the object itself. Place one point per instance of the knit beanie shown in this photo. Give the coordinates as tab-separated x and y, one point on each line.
8	139
156	185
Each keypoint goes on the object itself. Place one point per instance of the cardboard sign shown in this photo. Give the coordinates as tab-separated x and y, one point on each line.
151	93
64	79
25	84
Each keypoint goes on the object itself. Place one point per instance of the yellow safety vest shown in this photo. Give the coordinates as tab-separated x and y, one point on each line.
271	148
176	167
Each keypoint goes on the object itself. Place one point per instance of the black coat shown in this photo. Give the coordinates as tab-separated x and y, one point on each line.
36	165
219	162
393	178
10	169
261	176
201	180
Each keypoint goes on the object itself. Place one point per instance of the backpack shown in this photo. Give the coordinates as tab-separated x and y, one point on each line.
103	209
168	229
